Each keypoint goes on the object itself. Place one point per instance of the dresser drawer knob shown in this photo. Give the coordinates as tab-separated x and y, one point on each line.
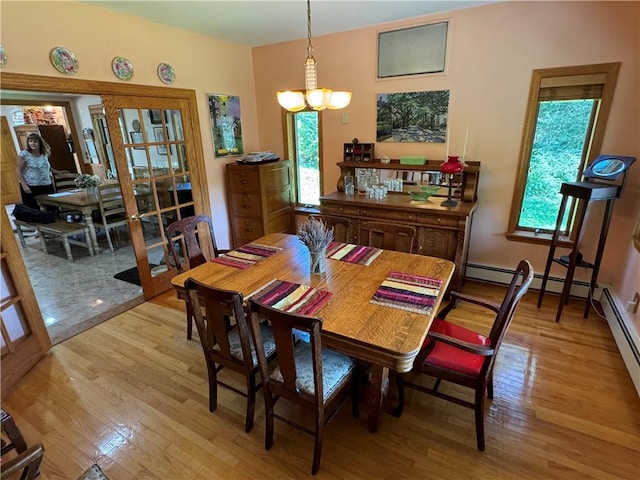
248	229
244	182
246	206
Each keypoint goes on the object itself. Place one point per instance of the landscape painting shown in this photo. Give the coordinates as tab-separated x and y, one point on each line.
224	113
413	117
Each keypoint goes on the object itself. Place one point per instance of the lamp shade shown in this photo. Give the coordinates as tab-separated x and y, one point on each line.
452	165
292	101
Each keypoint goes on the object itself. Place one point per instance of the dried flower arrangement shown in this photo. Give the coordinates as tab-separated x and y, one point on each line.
315	234
87	180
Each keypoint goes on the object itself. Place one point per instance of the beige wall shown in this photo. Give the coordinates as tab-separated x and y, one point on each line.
31	29
491	55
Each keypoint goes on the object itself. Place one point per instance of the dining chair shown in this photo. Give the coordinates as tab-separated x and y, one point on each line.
455	354
112	213
306	374
386	235
27	459
188	245
225	345
342	228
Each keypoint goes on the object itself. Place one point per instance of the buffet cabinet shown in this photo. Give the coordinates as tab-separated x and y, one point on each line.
441	231
260	199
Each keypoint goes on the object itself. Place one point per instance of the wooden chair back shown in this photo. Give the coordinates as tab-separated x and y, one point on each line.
342	228
195	245
389	236
112	211
64	181
224	345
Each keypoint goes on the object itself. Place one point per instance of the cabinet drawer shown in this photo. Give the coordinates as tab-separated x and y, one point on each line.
438	220
339	210
245	204
384	214
247	228
277	175
244	181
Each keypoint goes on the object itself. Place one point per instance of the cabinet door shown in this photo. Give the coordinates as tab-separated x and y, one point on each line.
437	243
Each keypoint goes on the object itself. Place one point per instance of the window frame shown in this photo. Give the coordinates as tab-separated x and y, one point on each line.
560	76
289	142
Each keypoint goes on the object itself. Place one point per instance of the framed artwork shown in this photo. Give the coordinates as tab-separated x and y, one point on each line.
226	128
413	117
155	117
137	137
158	134
412	51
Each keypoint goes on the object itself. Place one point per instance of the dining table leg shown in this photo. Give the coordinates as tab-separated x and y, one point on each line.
377	392
88	219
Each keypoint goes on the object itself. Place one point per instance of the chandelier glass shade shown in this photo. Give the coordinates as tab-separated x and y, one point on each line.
314	97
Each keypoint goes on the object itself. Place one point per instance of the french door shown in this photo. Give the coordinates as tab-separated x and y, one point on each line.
24	339
154	149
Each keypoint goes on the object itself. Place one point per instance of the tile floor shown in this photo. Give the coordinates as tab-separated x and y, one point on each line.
72	293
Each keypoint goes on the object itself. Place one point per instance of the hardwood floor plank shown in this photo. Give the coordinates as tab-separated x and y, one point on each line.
131	394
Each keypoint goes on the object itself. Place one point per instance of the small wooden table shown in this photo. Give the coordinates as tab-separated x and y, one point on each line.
75	200
388	338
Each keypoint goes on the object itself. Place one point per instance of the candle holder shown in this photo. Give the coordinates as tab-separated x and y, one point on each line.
452	166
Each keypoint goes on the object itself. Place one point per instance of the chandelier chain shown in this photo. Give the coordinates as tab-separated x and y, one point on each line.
309	46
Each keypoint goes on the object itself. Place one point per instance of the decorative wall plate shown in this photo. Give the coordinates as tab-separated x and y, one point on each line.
166	73
122	67
64	60
3	57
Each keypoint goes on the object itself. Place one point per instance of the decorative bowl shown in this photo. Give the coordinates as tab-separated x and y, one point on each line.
425	192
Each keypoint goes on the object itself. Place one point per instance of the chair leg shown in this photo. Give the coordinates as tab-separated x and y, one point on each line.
251	402
213	386
268	433
189	321
436	385
479	412
490	387
317	446
400	386
109	239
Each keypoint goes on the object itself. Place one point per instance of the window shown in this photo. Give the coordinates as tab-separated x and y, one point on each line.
303	146
564	126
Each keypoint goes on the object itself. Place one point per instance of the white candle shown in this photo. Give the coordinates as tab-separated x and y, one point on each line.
446	155
464	149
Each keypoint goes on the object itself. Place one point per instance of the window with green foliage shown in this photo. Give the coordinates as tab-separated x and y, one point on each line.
303	147
566	117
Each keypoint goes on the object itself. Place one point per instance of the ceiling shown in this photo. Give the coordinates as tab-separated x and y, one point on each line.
262	22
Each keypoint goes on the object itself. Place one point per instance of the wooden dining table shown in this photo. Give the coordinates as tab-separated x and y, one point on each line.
387	338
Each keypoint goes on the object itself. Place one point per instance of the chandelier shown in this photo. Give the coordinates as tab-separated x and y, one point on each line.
314	97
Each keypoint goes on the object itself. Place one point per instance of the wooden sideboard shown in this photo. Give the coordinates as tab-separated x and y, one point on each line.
260	199
441	231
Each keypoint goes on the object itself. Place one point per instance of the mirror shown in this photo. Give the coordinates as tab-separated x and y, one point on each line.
608	167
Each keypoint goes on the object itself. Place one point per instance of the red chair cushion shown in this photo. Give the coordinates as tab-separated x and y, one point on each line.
452	358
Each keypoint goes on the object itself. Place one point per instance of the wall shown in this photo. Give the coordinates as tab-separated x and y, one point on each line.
492	52
96	35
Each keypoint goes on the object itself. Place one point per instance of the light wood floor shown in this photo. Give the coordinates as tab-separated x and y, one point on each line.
131	395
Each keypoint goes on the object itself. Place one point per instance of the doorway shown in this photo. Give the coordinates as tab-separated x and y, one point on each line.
192	146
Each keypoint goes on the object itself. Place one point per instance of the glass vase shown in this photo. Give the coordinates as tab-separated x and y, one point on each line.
92	192
318	262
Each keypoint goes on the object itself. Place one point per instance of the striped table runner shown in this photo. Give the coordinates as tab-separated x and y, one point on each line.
247	255
291	297
348	252
408	292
